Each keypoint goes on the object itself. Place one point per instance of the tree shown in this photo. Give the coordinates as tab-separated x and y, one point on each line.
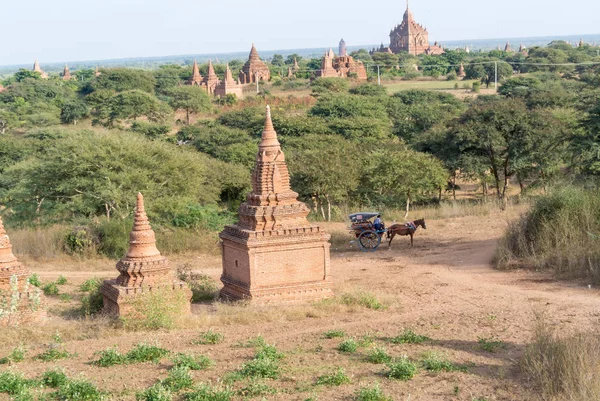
73	111
361	55
585	146
192	99
8	120
277	60
433	65
485	70
387	60
170	76
134	104
122	79
290	59
24	74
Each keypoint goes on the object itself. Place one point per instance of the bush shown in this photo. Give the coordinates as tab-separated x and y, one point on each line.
192	362
369	90
50	289
204	288
435	362
402	369
348	345
92	302
62	280
113	237
179	378
155	310
34	279
265	368
379	355
54	354
321	85
362	298
80	241
13	383
561	232
146	353
16	355
209	337
476	86
110	357
409	337
205	392
334	334
78	390
334	379
155	393
150	130
255	389
54	378
451	76
371	394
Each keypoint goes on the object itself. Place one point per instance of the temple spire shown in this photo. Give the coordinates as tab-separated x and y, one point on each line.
142	241
269	136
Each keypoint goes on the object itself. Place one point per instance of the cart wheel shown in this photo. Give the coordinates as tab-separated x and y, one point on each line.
369	241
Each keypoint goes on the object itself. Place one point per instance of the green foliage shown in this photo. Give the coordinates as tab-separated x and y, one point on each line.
54	378
191	99
322	85
78	390
486	72
249	119
150	130
204	288
73	111
371	393
50	289
205	392
90	285
192	362
435	362
179	378
362	298
369	90
123	79
13	383
54	353
265	368
155	393
268	351
146	353
34	280
348	106
24	74
16	355
349	346
93	301
110	357
255	388
337	378
62	280
379	355
209	217
490	344
409	337
334	333
402	369
209	337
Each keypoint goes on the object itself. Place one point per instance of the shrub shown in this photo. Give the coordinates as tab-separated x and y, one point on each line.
90	285
362	298
54	354
16	355
451	76
13	383
268	351
409	337
265	368
192	362
402	369
155	310
54	378
209	337
348	345
146	353
373	393
204	288
369	90
110	357
334	379
34	279
255	389
435	362
50	289
476	86
490	344
321	85
113	237
155	393
150	130
205	392
62	280
179	378
80	240
563	367
334	334
92	302
560	233
78	390
379	355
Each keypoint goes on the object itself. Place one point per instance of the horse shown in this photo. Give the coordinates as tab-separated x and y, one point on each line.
404	229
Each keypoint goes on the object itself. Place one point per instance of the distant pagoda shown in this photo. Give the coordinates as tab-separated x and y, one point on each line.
66	75
196	79
36	68
254	69
228	85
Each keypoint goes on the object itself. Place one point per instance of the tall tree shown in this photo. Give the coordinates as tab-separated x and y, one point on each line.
192	99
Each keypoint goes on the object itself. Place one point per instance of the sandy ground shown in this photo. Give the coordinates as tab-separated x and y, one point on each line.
444	288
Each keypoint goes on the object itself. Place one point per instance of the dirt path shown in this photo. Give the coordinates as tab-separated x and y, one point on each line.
444	288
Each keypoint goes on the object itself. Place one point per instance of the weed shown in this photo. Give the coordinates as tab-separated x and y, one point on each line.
155	393
209	337
265	368
92	302
379	355
362	298
366	341
78	390
204	288
409	337
34	279
435	362
65	297
54	378
54	354
348	346
13	383
257	341
334	379
146	353
110	357
50	289
90	285
402	369
255	388
192	362
155	310
490	344
205	392
268	351
179	378
16	355
456	390
62	280
334	334
371	394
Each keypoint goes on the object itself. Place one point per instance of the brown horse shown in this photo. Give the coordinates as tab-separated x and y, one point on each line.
405	229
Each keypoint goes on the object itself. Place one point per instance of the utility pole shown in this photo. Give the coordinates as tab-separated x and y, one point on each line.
496	76
256	78
378	76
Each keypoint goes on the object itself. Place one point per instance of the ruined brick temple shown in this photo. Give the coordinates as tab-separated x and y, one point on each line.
37	68
274	255
20	302
254	69
229	85
66	75
410	37
143	271
342	66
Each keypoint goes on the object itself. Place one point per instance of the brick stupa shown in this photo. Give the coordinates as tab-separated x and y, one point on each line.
20	302
229	85
37	68
211	79
196	79
66	75
254	69
143	270
274	255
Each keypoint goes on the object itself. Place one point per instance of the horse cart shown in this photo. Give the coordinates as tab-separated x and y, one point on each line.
368	236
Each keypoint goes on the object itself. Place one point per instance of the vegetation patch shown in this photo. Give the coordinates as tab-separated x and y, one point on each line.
337	378
54	378
409	337
179	378
371	393
334	334
402	369
205	392
435	362
255	388
349	346
146	353
209	337
362	298
490	344
157	392
78	390
16	355
110	357
192	362
378	355
54	353
264	368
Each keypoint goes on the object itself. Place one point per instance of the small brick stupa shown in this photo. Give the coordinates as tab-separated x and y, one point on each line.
20	302
274	255
229	85
196	79
211	79
66	75
143	272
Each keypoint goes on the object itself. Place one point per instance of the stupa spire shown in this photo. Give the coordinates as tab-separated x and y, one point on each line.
142	241
211	69
269	136
6	254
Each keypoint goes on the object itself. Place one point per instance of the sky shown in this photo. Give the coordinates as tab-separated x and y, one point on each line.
76	30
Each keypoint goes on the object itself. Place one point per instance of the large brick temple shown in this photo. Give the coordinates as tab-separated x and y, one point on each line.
342	66
255	69
273	254
143	272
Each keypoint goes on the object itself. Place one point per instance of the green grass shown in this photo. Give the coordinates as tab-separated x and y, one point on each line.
334	334
397	86
54	354
16	355
268	351
110	357
337	378
205	392
146	353
374	393
50	289
54	378
179	378
264	368
155	393
434	362
209	337
490	344
379	355
402	369
362	298
348	346
255	388
62	280
78	390
409	337
192	362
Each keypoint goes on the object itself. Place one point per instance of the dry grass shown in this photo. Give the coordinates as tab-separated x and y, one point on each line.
564	368
40	243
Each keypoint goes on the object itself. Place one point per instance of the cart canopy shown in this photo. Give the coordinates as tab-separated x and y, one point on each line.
362	216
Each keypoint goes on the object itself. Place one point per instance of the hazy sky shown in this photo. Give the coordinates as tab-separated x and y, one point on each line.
66	30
